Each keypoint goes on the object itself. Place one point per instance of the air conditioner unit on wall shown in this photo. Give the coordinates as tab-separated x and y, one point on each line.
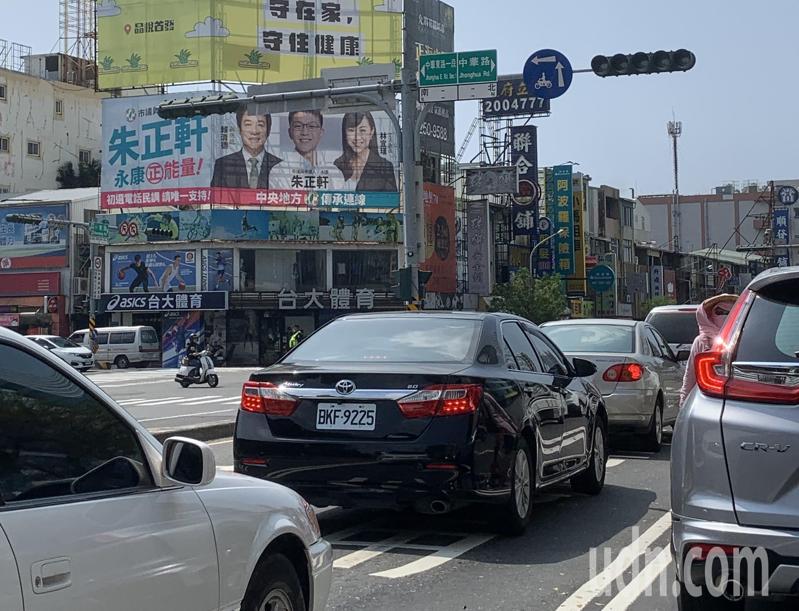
80	286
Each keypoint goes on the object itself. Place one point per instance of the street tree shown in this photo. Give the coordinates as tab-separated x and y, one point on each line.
537	299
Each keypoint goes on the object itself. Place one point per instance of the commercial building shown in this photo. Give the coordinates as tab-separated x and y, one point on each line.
44	267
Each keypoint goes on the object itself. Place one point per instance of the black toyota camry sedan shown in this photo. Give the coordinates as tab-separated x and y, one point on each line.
425	410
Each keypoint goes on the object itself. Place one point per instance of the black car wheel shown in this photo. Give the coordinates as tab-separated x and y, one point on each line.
274	586
515	515
122	362
706	602
654	437
592	479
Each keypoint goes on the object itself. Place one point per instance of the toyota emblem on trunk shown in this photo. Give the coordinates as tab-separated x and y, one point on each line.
345	387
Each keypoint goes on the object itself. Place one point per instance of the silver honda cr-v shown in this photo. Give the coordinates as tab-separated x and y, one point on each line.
735	456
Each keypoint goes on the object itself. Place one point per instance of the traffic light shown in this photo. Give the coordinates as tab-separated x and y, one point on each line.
401	284
643	63
205	105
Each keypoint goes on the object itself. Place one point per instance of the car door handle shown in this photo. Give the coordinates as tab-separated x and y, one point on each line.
51	575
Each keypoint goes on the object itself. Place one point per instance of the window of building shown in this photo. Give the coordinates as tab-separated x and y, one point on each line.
3	92
59	108
84	156
5	144
363	269
271	271
627	253
5	188
34	148
628	216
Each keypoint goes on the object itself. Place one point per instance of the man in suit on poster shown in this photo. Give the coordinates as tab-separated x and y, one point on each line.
250	167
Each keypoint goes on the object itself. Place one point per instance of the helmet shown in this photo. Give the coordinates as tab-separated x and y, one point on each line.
194	336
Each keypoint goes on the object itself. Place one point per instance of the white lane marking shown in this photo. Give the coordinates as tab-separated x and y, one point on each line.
614	462
178	416
219	443
582	597
435	559
140	401
372	551
639	583
232	402
140	383
154	402
214	400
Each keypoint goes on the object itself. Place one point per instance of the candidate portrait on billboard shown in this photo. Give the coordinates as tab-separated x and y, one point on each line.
250	166
361	166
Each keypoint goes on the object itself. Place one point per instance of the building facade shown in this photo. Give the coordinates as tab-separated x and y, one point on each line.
44	123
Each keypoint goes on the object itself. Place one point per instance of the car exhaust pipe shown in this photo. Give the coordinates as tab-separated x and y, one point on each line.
439	507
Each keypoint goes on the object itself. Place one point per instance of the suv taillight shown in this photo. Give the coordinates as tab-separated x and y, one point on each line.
624	372
442	400
716	376
266	398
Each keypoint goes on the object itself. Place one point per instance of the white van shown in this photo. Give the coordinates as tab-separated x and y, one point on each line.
123	346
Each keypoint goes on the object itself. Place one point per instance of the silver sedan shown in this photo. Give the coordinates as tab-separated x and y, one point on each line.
637	373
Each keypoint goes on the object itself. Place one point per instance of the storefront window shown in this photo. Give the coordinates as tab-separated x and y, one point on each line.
360	269
275	270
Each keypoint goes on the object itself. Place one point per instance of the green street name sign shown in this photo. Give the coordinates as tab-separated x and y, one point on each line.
470	67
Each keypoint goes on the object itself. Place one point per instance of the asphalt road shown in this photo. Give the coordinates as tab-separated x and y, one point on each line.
158	402
573	557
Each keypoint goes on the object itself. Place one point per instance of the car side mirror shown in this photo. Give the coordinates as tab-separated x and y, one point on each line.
683	355
583	368
188	461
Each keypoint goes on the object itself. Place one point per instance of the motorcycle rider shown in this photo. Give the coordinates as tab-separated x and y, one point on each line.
193	353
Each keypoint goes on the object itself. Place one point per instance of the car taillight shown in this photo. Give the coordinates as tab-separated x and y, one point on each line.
440	400
701	551
624	372
266	398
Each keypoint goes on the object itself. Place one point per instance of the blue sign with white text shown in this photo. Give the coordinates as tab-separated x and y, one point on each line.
548	74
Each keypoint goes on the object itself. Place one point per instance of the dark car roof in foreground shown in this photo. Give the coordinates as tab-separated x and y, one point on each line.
428	314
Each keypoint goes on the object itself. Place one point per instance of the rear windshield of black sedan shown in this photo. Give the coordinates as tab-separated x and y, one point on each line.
403	339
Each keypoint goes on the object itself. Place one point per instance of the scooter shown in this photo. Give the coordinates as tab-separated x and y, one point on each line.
205	374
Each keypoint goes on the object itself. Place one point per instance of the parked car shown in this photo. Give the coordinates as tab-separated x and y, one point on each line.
79	357
96	515
734	470
425	410
124	346
677	323
637	373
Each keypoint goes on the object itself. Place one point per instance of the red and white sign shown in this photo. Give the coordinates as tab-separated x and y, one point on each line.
725	273
9	320
35	283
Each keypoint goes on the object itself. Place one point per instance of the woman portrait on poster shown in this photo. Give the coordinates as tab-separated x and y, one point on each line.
361	165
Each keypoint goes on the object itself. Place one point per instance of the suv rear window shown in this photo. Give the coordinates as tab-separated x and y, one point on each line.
771	329
401	339
676	327
148	336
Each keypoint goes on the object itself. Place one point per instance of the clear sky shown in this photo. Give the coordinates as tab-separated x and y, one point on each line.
739	105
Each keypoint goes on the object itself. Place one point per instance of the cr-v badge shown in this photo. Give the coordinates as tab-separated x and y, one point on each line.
752	446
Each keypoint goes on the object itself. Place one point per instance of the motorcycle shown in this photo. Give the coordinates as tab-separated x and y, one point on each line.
218	355
189	374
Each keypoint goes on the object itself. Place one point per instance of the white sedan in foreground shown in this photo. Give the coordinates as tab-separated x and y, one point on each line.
96	515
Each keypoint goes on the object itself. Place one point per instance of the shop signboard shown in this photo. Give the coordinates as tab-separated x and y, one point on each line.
477	241
163	302
30	283
26	246
154	42
564	219
159	270
439	214
249	224
299	160
9	320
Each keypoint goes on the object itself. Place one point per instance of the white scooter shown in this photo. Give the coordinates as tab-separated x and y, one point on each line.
188	374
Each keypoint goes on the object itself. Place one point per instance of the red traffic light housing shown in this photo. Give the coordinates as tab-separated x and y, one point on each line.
643	63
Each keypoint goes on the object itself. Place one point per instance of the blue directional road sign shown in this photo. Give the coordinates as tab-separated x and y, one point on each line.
601	278
548	74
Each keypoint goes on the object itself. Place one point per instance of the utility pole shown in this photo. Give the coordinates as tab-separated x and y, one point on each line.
675	131
768	233
411	156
